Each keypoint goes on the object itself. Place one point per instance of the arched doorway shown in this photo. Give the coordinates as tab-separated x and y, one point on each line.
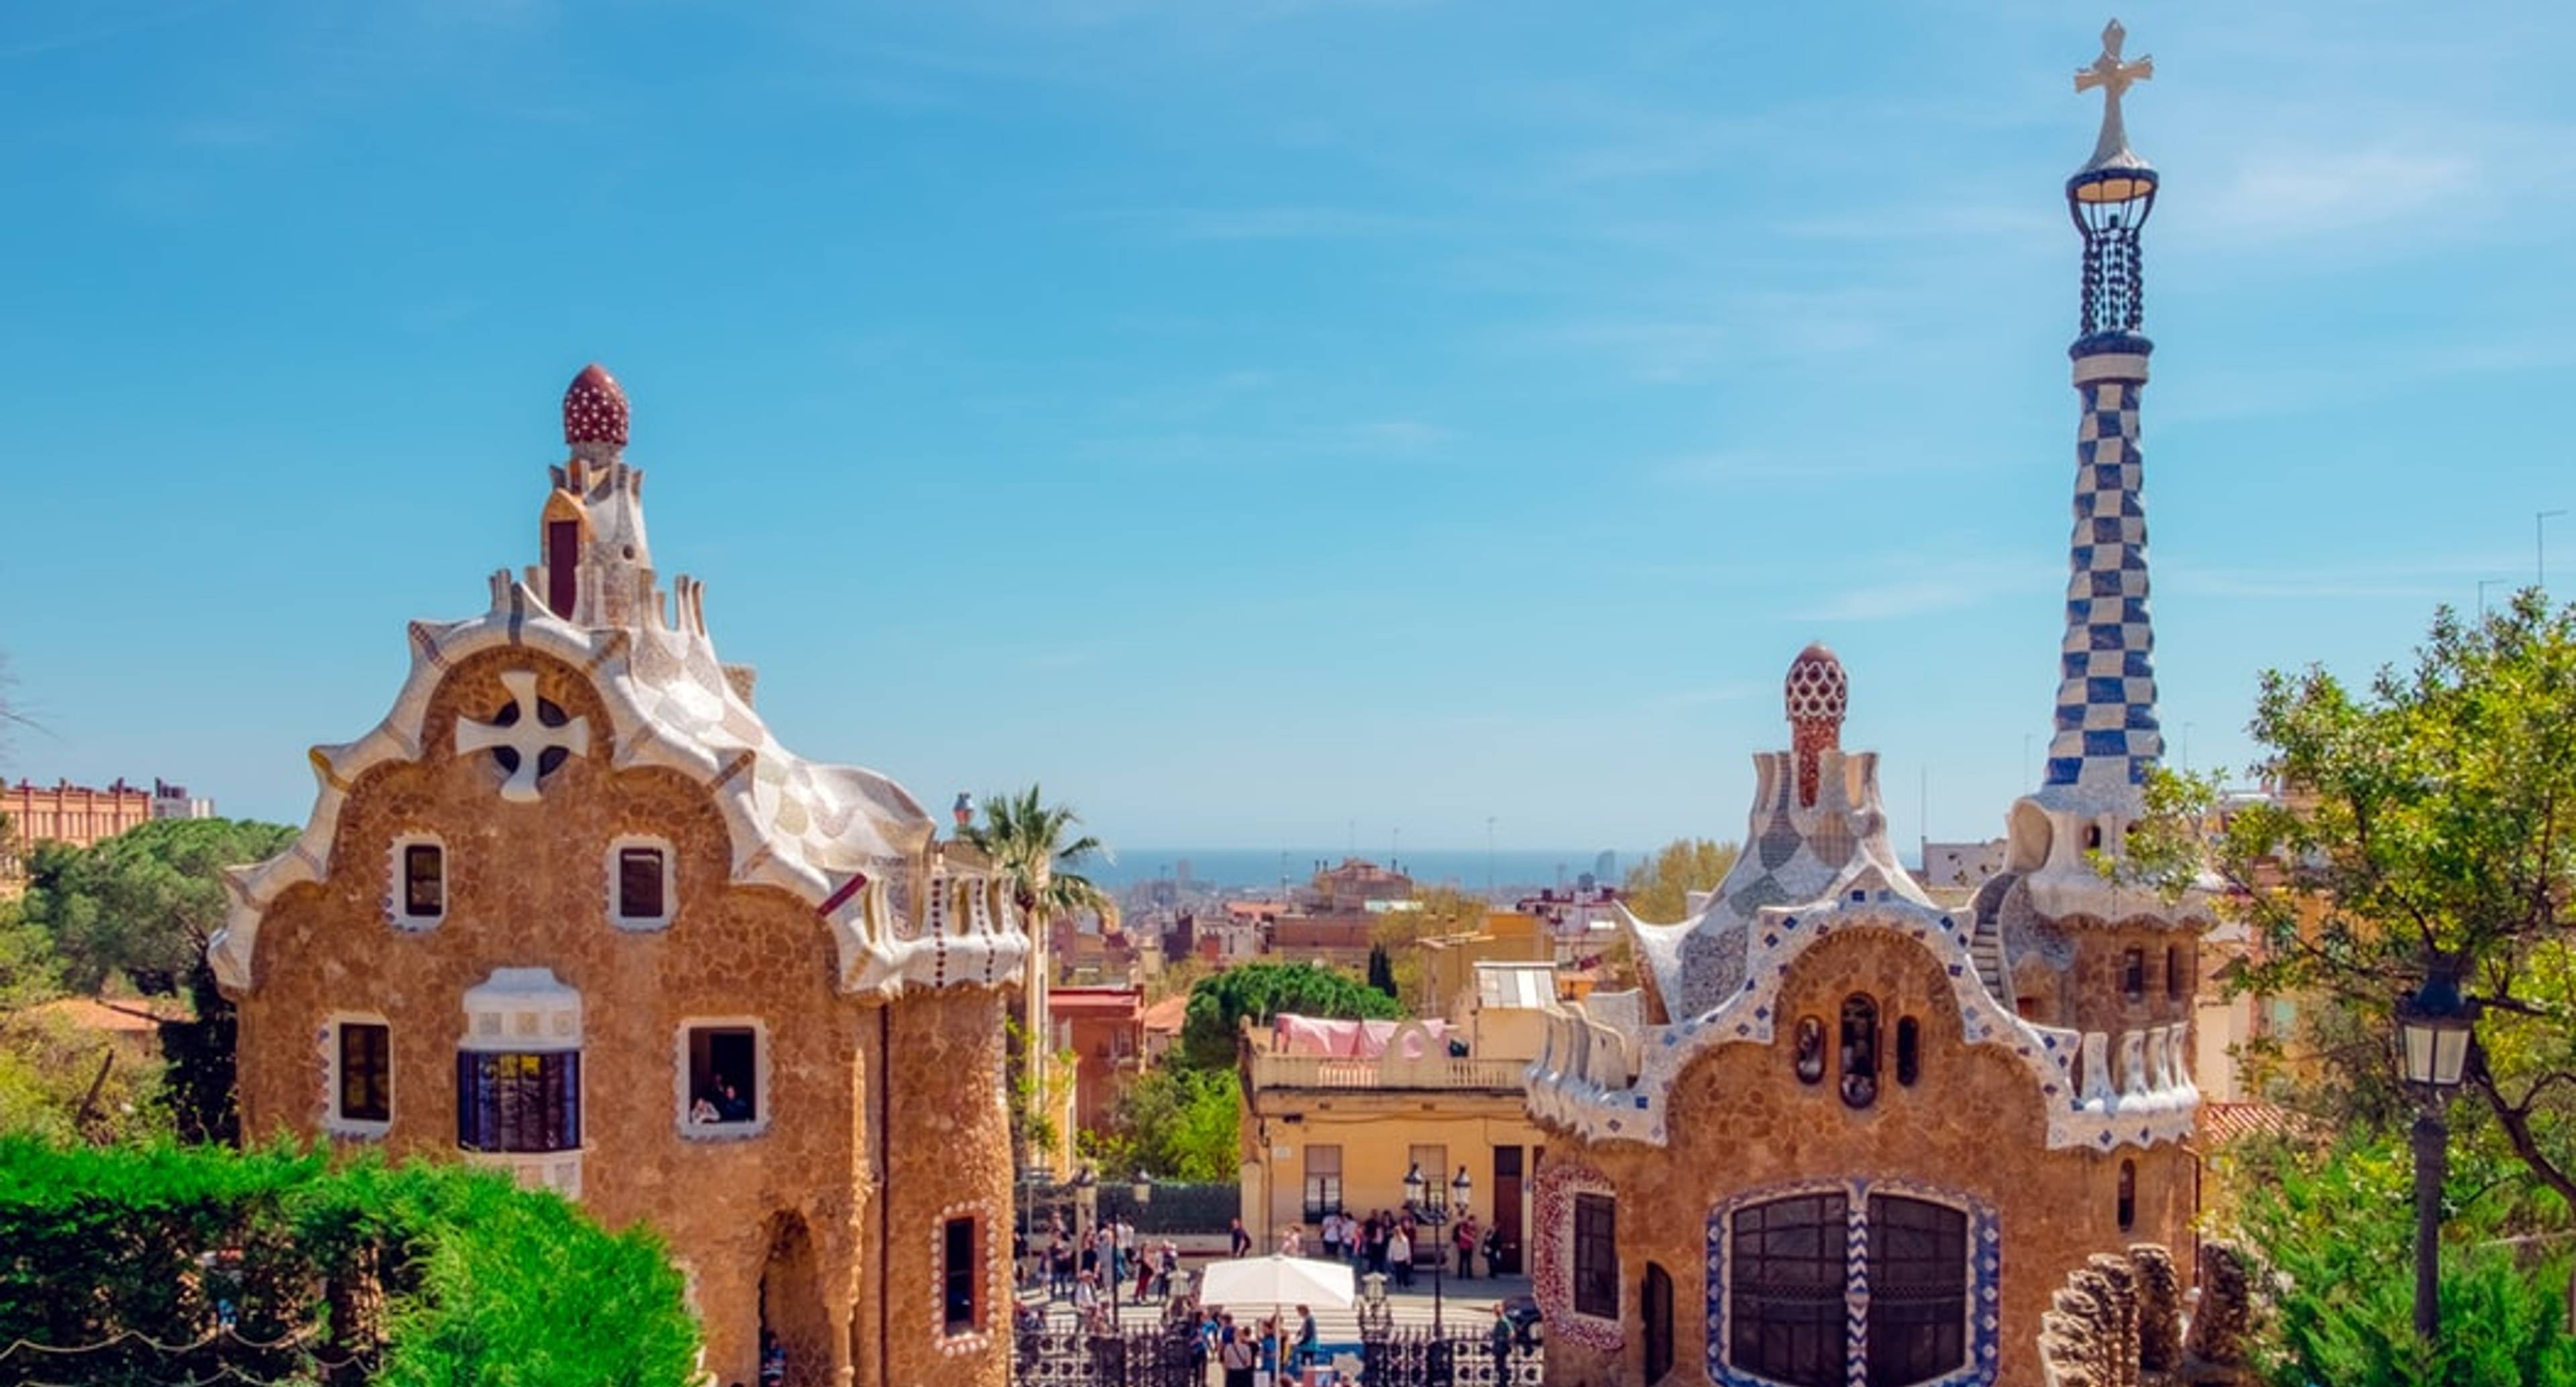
1655	1299
795	1333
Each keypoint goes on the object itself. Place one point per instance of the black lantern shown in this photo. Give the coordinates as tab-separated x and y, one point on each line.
1414	1186
2433	1028
1459	1189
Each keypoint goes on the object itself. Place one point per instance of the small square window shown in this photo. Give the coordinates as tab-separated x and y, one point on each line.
424	882
639	884
364	1078
723	1096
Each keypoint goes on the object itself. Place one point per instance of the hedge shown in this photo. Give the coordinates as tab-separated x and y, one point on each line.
169	1264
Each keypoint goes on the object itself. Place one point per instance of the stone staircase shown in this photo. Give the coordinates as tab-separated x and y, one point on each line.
1986	943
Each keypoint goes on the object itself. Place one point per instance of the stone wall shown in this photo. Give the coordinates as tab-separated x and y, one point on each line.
2118	1322
527	886
1972	1127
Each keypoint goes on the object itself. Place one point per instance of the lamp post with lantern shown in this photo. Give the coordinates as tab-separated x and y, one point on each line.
2435	1026
1422	1202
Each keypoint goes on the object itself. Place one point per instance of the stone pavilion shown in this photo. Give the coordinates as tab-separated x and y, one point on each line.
1844	1135
570	910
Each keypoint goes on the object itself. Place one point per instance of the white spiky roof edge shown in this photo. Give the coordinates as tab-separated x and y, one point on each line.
904	908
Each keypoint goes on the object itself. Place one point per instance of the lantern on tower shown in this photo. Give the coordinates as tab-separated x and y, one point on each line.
2110	198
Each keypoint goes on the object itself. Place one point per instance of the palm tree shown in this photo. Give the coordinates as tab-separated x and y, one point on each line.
1025	838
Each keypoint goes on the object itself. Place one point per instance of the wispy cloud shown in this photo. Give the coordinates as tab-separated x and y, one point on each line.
1922	586
1276	223
1737	467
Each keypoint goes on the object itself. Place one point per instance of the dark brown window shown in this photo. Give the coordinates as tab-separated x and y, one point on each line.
1918	1290
1860	1051
1596	1256
2092	837
961	1309
2128	1195
1811	1050
366	1072
1323	1182
724	1075
1785	1302
563	564
424	880
2173	971
518	1102
2133	974
1909	1051
1657	1311
639	884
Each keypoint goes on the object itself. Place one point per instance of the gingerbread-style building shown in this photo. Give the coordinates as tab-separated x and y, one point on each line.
570	909
1845	1135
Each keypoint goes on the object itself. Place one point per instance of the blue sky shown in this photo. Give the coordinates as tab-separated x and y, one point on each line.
1255	416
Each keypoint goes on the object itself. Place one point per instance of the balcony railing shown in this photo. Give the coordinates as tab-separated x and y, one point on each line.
1387	1072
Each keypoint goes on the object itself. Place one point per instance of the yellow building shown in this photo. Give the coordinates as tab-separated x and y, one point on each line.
1338	1131
1449	962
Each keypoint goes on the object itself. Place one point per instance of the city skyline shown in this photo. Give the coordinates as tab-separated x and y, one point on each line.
1278	432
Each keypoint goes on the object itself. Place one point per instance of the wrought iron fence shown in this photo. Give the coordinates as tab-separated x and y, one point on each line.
1166	1358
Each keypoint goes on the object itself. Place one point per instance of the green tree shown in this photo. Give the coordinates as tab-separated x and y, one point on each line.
1658	889
1035	845
140	907
2429	816
1260	991
1175	1124
2337	1232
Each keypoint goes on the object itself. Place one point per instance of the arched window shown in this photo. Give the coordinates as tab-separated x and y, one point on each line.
1909	1050
1811	1050
1792	1263
1860	1050
1918	1290
2128	1195
1785	1318
2092	837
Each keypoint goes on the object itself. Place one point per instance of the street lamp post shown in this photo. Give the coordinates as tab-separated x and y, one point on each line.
1433	1215
2434	1028
1086	1225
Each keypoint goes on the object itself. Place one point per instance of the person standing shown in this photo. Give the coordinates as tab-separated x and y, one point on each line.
1237	1356
1399	1254
1240	1240
1500	1337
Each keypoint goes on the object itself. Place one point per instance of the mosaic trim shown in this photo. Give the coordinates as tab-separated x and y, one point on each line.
1552	1253
2102	1117
1985	1279
801	826
997	1291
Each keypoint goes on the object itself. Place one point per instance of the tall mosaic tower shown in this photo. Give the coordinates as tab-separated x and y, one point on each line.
2106	733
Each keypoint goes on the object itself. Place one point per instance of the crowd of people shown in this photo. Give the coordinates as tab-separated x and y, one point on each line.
1392	1245
1095	1269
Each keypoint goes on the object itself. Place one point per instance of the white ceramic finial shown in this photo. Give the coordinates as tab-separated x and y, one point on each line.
2113	76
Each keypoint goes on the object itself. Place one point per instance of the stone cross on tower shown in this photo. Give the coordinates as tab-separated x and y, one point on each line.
524	736
2114	76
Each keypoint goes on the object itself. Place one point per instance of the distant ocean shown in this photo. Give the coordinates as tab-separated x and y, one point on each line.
1259	869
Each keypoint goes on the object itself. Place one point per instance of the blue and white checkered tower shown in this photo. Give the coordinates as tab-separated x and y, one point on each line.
2106	734
2106	699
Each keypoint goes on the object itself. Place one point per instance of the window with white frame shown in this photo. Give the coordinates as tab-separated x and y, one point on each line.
641	892
724	1080
418	898
359	1052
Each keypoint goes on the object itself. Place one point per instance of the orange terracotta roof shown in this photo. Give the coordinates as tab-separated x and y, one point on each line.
1167	1014
1095	1001
2222	1123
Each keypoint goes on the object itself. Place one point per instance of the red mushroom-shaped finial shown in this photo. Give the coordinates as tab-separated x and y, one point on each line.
594	408
1817	691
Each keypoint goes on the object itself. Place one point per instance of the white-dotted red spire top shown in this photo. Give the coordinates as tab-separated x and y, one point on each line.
594	408
1817	689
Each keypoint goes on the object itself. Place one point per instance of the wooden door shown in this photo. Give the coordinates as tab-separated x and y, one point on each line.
1507	1208
1657	1303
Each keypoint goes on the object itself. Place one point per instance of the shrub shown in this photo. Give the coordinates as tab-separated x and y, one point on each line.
167	1263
